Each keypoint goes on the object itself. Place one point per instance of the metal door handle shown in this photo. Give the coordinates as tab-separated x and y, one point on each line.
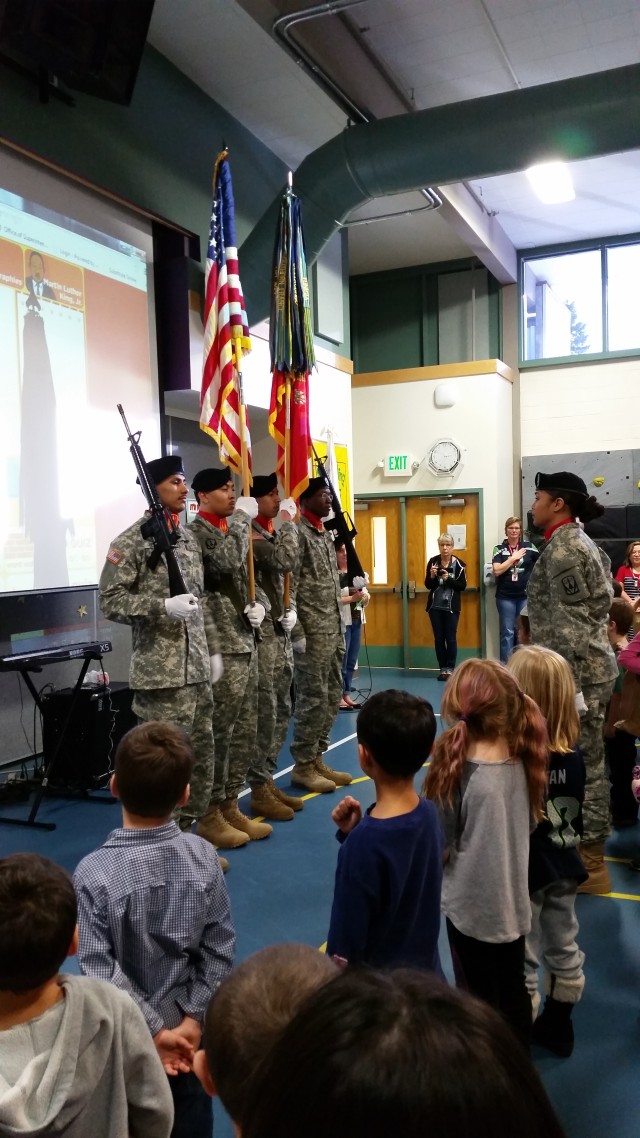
411	590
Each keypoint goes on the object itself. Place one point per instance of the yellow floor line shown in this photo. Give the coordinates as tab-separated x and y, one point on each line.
621	860
619	896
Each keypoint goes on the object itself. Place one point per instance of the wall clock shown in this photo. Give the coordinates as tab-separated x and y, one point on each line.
445	456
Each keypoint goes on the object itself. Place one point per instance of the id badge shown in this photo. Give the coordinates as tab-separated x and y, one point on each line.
514	574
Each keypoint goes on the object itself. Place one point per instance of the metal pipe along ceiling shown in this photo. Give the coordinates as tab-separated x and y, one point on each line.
570	119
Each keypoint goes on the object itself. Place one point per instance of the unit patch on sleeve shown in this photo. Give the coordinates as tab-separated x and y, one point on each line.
114	556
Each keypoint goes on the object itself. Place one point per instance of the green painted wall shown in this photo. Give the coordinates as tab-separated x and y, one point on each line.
157	153
422	315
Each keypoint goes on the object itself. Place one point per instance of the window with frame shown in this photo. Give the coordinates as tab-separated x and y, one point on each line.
580	302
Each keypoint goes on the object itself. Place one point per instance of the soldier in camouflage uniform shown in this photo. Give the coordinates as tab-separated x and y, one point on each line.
568	600
175	644
274	554
224	545
318	644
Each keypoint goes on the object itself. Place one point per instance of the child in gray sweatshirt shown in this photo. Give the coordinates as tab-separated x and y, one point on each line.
76	1058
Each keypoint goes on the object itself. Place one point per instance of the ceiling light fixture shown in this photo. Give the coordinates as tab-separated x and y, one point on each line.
551	182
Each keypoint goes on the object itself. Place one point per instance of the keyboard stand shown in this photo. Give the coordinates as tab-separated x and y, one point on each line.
48	770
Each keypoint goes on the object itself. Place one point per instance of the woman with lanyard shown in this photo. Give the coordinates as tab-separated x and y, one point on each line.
446	579
568	601
629	574
512	563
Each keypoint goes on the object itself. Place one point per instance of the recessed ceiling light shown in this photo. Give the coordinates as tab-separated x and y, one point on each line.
551	181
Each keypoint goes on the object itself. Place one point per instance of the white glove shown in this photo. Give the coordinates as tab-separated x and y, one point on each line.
248	506
255	614
288	620
288	509
217	667
581	706
299	646
182	606
360	582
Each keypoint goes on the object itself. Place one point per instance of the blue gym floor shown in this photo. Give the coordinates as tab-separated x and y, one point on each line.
281	889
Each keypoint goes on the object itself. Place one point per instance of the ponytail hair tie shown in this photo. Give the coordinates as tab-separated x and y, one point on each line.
463	719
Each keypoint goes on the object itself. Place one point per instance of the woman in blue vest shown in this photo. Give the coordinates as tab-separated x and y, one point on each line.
512	563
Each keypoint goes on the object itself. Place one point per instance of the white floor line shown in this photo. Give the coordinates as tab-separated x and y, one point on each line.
347	739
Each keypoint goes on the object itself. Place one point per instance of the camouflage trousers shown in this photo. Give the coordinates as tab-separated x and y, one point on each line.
190	708
318	679
235	699
275	676
596	809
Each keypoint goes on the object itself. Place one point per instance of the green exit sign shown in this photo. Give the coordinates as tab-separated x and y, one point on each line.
398	465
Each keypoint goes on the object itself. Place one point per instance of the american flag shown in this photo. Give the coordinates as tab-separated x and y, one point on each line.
226	328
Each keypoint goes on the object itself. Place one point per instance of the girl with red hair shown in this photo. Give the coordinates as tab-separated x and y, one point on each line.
488	778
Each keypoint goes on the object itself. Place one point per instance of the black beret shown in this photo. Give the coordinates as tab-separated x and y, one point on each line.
263	484
211	479
563	480
315	484
161	468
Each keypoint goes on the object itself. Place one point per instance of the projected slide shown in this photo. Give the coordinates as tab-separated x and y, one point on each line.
74	329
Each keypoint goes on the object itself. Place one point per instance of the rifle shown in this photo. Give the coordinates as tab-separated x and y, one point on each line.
162	532
341	525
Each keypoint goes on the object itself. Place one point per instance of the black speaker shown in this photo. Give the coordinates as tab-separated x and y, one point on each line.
100	719
93	46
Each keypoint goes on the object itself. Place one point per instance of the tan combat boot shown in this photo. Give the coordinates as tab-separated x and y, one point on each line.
306	775
254	830
341	778
264	803
224	864
592	854
289	800
214	828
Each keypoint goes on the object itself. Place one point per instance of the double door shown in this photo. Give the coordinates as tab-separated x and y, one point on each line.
396	537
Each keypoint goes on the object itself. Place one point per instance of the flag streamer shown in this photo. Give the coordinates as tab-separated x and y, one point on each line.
292	351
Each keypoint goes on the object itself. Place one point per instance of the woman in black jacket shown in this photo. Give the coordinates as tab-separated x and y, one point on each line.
446	579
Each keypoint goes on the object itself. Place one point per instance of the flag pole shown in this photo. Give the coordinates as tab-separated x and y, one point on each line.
246	487
287	438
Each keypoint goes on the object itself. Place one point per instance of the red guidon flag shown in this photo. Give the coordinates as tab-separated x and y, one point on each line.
226	328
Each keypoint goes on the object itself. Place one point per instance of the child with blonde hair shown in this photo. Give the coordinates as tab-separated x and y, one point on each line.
555	866
487	777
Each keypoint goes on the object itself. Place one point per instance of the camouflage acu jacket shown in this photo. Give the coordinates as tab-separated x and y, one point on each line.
315	584
166	653
568	599
226	583
274	555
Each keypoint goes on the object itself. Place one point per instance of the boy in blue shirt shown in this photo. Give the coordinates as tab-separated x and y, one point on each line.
386	902
153	911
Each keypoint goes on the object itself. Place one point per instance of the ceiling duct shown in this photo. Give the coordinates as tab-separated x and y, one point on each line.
574	118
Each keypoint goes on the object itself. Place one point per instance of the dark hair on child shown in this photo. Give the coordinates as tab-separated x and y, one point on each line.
617	588
377	1054
153	766
483	700
621	613
398	729
38	914
251	1009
